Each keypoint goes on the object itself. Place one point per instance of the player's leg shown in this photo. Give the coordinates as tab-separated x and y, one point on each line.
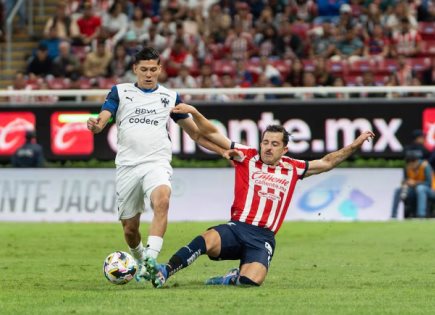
156	186
130	206
258	246
207	243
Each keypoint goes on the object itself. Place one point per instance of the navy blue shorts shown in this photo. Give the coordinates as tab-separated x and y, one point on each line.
246	242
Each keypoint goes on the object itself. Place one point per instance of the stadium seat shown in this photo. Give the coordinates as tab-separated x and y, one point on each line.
85	83
283	66
427	48
427	30
221	67
107	83
300	29
80	52
386	66
419	64
58	83
308	65
337	67
352	79
361	66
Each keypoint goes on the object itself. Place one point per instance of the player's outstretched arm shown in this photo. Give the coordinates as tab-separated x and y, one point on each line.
205	127
96	125
332	159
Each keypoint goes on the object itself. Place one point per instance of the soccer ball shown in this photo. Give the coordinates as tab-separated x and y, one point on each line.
119	267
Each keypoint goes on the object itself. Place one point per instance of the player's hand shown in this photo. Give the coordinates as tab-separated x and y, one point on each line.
93	124
183	108
365	136
233	154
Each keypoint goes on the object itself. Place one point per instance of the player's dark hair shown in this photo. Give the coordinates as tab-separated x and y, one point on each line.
147	53
277	128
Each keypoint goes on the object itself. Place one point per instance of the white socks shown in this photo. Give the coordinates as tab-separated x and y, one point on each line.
139	252
154	246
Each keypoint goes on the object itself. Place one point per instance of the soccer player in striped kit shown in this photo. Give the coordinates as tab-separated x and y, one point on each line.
264	185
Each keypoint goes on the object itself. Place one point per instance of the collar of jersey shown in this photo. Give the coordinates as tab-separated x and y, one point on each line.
146	90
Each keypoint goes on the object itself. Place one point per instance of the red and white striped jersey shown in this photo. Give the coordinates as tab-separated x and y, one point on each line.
262	193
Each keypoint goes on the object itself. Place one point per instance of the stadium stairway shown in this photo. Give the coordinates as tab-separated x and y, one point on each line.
23	43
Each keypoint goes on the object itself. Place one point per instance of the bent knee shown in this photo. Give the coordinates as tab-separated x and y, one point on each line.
243	280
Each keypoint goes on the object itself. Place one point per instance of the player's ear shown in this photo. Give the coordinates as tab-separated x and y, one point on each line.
284	150
134	68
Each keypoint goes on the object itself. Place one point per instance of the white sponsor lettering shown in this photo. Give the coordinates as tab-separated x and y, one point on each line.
15	126
62	131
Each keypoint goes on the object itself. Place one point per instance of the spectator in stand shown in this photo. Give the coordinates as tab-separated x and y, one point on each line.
309	80
96	62
178	8
368	79
167	25
377	45
400	13
218	23
240	44
270	43
371	19
206	71
426	11
154	39
89	26
349	48
404	72
228	82
149	7
175	57
346	20
139	24
271	73
265	20
66	65
392	80
64	27
40	64
289	45
296	74
323	41
20	83
30	154
303	10
338	82
115	23
328	11
428	75
321	73
52	43
120	63
406	41
243	16
416	187
184	80
244	76
2	22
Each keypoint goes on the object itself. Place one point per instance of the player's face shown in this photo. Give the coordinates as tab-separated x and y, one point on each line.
147	73
272	148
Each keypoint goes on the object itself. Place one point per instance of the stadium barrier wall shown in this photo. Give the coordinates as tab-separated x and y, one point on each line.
317	127
88	195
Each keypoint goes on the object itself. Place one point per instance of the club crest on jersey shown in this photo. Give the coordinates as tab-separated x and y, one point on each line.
165	101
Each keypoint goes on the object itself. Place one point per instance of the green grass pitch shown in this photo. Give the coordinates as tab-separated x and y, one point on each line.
318	268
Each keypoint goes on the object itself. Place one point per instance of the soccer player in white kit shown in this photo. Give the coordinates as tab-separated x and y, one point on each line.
264	185
143	171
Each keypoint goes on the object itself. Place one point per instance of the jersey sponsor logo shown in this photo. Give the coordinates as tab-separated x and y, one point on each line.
268	195
144	119
429	128
161	93
13	126
129	98
70	138
270	180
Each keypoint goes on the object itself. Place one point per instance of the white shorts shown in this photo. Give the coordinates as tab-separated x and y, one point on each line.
134	185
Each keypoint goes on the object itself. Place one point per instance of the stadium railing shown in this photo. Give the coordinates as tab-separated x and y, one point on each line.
300	93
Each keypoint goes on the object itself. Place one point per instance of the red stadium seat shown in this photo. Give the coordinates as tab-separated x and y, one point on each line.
308	65
337	67
300	29
221	67
283	66
419	64
427	48
427	30
352	79
380	79
80	52
58	83
361	66
85	83
107	83
386	66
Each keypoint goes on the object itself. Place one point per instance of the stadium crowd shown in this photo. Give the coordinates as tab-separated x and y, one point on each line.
253	43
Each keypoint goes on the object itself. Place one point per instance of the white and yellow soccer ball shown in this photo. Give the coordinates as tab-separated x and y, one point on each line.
119	267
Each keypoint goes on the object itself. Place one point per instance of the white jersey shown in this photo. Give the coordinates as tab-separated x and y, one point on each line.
141	119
